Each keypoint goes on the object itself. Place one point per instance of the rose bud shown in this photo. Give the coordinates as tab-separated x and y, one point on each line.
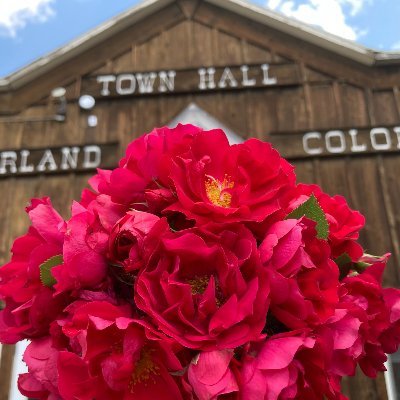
126	239
206	290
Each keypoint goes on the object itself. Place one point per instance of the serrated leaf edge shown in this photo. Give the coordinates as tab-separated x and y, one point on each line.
322	226
46	277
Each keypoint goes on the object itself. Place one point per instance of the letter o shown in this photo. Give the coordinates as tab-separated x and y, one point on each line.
128	89
335	148
380	146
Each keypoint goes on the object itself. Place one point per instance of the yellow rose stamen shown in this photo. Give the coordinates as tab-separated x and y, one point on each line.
145	369
199	284
216	191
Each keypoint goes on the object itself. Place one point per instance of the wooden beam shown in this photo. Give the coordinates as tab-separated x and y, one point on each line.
7	358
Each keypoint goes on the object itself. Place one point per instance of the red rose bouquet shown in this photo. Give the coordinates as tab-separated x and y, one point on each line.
196	270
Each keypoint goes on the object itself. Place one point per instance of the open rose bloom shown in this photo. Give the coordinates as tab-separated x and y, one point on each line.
196	270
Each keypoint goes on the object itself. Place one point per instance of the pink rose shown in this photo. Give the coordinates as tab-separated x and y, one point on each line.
142	178
377	312
106	211
30	305
206	290
303	279
344	223
181	277
126	240
343	331
275	372
41	381
289	366
216	181
390	338
115	356
210	375
84	250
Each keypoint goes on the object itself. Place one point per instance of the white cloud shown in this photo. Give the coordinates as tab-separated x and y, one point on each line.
355	5
15	14
330	15
274	4
396	46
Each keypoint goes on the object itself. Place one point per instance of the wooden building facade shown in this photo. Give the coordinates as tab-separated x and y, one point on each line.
330	106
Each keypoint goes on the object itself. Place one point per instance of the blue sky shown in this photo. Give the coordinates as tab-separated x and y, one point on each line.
32	28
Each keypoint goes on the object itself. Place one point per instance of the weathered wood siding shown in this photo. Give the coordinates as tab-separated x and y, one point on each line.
332	92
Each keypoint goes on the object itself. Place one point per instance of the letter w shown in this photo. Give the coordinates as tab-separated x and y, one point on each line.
146	82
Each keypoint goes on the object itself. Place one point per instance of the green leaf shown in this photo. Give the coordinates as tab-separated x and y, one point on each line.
361	266
312	210
45	270
345	264
343	260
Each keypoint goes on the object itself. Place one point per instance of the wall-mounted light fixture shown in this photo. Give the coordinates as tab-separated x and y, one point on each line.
87	103
58	94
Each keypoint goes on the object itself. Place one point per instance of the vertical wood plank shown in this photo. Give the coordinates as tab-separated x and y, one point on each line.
261	108
7	356
202	44
323	103
354	105
384	107
310	120
391	274
396	93
123	62
255	54
304	171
